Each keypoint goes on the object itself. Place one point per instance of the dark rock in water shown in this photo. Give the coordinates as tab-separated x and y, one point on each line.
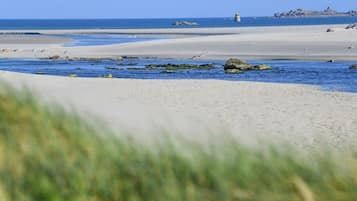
170	68
262	67
206	66
179	66
184	23
354	66
352	26
167	71
237	66
55	57
111	68
129	57
137	69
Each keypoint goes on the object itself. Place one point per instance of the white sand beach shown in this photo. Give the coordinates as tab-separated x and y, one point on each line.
289	42
280	113
296	114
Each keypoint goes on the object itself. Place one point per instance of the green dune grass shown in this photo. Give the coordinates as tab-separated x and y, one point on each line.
47	154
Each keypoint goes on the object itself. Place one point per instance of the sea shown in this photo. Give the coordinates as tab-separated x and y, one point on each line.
334	76
53	24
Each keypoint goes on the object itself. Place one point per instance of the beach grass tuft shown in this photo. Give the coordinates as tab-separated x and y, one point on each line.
47	154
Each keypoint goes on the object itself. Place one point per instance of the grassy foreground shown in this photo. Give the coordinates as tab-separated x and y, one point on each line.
50	155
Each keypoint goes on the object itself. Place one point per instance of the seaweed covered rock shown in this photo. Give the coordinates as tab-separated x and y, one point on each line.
262	67
354	66
174	67
111	68
237	64
170	66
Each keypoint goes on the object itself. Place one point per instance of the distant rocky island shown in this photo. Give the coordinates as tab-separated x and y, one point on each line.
185	23
328	12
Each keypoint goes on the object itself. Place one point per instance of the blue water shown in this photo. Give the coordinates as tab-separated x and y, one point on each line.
166	23
329	76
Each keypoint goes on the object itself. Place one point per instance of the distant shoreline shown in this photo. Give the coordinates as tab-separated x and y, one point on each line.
301	13
248	43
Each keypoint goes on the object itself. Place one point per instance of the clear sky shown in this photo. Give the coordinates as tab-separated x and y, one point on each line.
43	9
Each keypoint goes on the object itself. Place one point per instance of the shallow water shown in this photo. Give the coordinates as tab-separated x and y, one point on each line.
329	76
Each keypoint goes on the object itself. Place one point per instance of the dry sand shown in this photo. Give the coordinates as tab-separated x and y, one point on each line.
293	42
284	113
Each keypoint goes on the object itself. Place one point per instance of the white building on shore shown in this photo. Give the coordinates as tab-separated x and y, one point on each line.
237	17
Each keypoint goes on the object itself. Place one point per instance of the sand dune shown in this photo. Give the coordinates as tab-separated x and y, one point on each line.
286	113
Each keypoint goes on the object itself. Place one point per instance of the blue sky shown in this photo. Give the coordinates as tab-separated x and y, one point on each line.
43	9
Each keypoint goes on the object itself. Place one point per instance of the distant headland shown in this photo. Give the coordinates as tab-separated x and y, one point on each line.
328	12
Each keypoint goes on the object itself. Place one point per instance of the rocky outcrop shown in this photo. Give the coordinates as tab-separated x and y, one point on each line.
328	12
173	67
55	57
352	26
184	23
179	66
262	67
235	66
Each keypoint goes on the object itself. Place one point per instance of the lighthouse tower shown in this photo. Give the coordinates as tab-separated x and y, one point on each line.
237	17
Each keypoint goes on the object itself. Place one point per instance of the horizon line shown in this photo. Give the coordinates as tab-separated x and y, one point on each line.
129	18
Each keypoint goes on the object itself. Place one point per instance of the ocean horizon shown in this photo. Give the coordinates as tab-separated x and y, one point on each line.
57	24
